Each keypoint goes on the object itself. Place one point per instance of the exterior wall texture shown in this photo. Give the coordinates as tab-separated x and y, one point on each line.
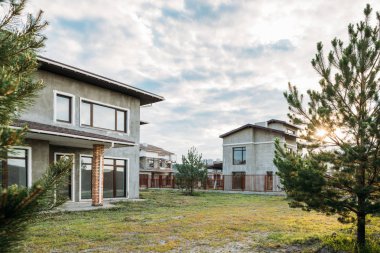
260	149
42	111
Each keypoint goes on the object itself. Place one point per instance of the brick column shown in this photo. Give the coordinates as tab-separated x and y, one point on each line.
97	174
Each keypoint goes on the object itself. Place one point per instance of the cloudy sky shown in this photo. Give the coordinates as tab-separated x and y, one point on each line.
219	64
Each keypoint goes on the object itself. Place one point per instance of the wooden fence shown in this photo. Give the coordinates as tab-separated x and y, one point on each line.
236	182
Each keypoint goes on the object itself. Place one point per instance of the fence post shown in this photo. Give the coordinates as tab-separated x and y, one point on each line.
243	182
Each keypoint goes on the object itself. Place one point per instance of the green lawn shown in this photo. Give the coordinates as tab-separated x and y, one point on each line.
167	220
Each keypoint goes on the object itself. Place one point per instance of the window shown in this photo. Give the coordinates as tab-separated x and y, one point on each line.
14	170
239	156
100	116
161	163
63	108
151	163
114	178
66	188
290	131
86	177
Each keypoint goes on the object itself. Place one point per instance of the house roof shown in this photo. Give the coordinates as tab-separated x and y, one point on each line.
97	80
255	127
36	127
216	166
282	122
155	149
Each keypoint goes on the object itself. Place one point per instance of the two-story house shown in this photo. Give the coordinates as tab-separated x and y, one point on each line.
89	118
156	166
248	154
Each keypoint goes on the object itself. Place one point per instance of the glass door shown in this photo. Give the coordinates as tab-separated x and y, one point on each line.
67	188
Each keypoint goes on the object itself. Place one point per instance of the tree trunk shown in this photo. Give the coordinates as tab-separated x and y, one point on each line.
360	235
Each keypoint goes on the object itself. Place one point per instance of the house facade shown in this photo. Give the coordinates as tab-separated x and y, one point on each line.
248	154
156	166
91	119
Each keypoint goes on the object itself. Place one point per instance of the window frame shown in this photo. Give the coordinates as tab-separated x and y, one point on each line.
126	177
291	131
116	108
71	108
28	163
150	162
72	174
243	150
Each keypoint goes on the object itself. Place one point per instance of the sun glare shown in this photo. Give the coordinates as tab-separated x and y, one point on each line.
321	133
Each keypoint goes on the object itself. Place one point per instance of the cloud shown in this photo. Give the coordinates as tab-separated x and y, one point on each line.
218	63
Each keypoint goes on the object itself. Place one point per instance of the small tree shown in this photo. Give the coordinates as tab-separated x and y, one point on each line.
19	42
191	171
340	174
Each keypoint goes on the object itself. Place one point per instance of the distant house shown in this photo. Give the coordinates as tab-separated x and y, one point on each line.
156	166
215	174
248	154
214	168
93	120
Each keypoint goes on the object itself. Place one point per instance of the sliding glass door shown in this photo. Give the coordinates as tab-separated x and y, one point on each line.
114	178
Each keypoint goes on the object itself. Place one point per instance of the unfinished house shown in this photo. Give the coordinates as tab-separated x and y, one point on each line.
91	119
156	167
248	154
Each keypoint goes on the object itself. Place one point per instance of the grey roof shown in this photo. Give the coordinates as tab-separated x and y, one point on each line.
97	80
155	149
282	122
255	127
62	131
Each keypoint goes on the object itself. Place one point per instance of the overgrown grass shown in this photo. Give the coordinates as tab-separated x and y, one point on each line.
169	221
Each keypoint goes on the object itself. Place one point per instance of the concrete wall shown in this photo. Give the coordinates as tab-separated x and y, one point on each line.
243	138
42	111
40	157
260	150
245	135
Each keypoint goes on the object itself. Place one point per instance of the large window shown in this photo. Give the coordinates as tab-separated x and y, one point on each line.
239	156
14	170
114	178
63	108
100	116
86	177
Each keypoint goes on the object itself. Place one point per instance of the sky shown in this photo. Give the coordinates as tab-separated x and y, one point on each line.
219	64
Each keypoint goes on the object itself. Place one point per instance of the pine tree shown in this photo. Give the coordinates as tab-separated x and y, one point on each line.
18	62
19	43
340	172
191	171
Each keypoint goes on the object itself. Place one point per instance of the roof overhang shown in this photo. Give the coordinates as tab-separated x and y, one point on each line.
282	122
256	127
69	137
72	140
55	67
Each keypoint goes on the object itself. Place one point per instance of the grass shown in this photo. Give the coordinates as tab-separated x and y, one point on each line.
169	221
